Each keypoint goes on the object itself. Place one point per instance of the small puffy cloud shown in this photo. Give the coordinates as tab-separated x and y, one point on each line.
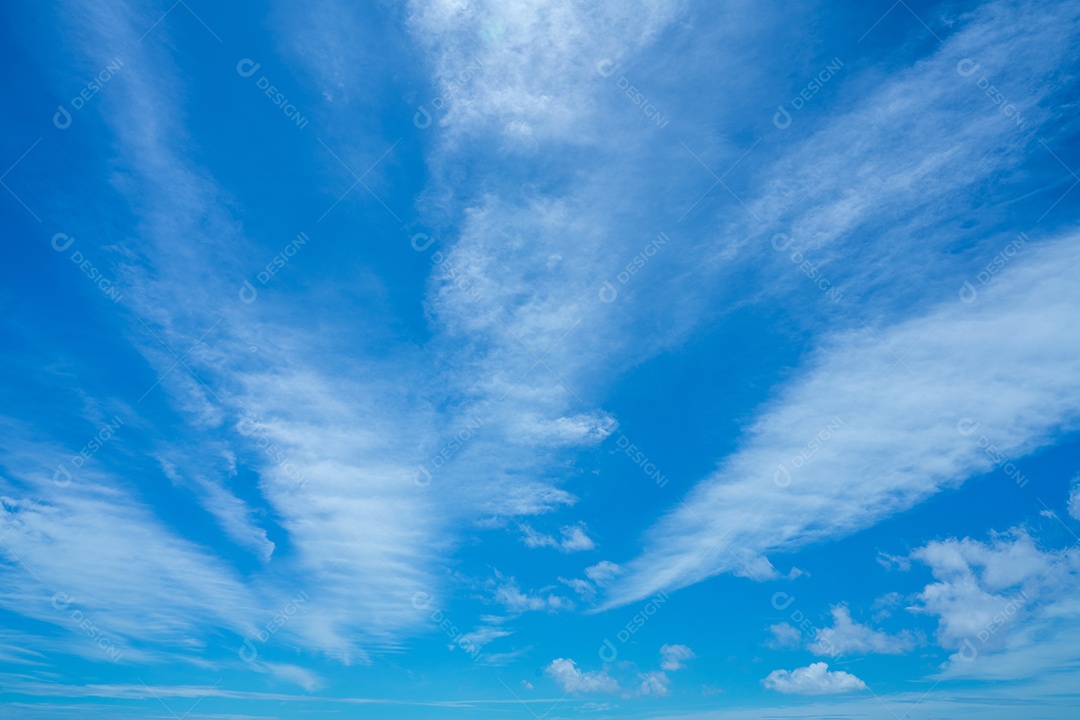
603	572
784	635
572	680
889	562
888	600
655	683
509	594
583	588
672	657
815	679
292	674
848	636
526	684
574	538
883	605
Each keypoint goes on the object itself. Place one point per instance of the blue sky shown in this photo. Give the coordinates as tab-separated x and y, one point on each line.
542	359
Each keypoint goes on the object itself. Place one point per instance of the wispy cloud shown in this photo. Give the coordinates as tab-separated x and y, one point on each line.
915	398
574	538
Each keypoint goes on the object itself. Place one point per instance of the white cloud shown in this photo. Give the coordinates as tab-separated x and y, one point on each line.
574	538
888	600
360	526
492	630
784	635
985	591
654	683
509	594
908	429
849	637
525	69
579	430
584	588
572	680
603	572
673	657
182	587
600	574
1007	608
292	674
993	703
883	605
815	679
347	435
235	517
888	561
